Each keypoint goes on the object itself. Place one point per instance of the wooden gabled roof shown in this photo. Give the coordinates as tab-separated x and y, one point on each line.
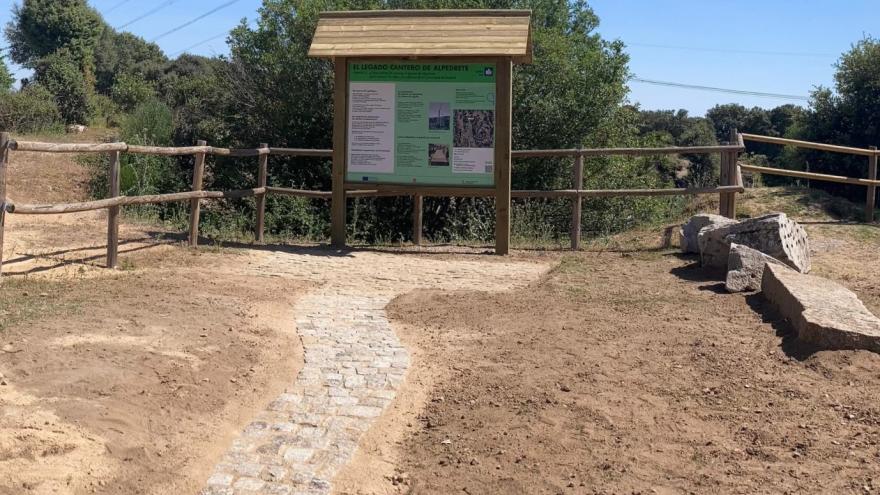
424	33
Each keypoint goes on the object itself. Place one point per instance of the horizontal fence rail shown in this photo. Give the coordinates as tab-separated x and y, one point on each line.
731	182
810	145
870	182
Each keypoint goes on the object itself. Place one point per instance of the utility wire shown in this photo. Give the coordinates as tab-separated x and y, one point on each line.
730	50
161	6
120	4
206	40
192	21
200	43
721	90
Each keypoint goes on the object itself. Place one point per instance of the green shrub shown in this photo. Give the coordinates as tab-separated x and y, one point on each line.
149	124
30	110
61	75
105	113
130	91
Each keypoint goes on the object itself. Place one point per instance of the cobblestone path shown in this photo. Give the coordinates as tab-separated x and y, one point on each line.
354	363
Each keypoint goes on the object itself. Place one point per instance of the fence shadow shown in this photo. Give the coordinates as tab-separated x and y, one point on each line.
61	252
86	261
326	250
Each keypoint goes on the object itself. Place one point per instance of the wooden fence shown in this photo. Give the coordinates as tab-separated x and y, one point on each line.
870	182
730	183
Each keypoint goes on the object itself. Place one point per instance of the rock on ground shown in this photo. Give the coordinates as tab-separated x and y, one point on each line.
745	268
775	235
822	312
692	228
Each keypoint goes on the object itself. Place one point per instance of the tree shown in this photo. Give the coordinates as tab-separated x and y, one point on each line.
42	27
784	117
60	74
192	86
571	95
858	85
6	79
677	128
125	53
848	115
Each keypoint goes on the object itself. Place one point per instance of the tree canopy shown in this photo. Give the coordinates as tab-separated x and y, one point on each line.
6	79
41	27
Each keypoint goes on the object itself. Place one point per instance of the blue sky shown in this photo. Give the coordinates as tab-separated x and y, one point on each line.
681	41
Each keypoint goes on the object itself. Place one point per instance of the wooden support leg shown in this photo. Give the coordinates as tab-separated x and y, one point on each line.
337	204
503	131
418	203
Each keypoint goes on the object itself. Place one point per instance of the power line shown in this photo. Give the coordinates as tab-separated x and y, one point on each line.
147	14
721	90
206	40
730	50
120	4
200	43
192	21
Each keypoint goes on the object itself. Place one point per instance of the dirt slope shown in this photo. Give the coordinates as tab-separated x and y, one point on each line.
629	370
133	380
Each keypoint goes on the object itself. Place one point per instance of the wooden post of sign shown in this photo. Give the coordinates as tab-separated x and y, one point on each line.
340	113
262	179
870	204
195	204
577	203
113	212
4	162
503	131
418	201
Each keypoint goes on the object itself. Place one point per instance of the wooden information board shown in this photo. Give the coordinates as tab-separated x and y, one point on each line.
422	104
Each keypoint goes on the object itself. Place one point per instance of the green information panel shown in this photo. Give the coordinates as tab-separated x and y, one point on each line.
421	123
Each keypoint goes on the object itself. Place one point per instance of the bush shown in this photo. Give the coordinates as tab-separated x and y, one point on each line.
61	75
30	110
129	91
105	113
149	124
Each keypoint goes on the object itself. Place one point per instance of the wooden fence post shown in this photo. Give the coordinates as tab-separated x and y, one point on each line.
113	212
4	161
872	190
727	201
724	181
577	204
732	174
262	179
195	204
418	201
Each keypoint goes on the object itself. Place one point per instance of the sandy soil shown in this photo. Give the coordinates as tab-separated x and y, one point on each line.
132	380
629	370
626	370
